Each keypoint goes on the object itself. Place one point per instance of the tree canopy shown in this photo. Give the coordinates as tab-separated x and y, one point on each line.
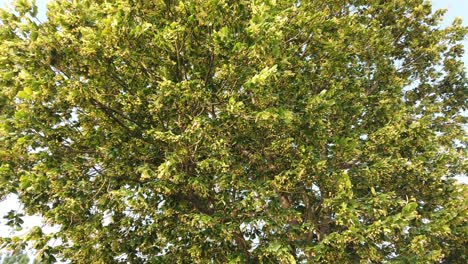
235	131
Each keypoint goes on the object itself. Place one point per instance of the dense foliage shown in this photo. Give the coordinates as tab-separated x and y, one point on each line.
234	131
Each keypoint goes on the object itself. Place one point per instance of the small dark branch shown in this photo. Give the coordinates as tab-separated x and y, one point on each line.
109	114
208	75
242	243
114	111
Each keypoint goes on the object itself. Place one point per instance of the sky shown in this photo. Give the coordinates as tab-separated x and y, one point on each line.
456	8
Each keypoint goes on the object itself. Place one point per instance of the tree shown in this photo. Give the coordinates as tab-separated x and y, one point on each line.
18	258
236	131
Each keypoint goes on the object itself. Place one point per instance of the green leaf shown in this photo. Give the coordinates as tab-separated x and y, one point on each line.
410	208
26	93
